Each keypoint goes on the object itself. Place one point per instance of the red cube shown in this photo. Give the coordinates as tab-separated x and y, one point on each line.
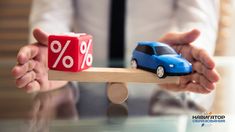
71	52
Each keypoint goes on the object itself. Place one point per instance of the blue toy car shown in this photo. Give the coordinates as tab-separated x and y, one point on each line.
160	59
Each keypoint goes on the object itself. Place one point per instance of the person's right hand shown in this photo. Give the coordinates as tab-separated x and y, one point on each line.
31	72
204	75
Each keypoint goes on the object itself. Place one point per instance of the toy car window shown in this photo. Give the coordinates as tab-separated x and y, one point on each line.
140	48
162	50
148	50
145	49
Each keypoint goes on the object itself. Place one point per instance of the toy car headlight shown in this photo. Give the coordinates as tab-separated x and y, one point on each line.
171	65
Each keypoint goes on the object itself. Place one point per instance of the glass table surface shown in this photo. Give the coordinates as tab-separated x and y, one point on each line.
85	107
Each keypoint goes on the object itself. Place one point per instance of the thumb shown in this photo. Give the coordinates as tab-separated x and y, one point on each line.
40	36
180	38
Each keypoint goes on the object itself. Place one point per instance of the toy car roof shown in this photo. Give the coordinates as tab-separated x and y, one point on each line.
151	43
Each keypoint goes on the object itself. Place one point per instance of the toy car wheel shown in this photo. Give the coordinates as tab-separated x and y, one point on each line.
134	64
161	72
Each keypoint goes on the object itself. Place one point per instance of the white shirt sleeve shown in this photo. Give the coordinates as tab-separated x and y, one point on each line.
200	14
53	16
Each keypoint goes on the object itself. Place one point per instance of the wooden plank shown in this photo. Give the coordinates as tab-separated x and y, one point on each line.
96	74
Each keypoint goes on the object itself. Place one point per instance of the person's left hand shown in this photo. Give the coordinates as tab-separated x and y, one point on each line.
204	75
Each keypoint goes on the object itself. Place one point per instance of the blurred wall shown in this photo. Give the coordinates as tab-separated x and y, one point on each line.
231	32
224	33
13	35
13	26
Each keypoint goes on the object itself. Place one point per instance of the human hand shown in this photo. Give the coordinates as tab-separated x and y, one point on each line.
204	75
31	72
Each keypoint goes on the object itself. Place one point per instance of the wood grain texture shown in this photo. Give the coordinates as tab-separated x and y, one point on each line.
117	92
96	74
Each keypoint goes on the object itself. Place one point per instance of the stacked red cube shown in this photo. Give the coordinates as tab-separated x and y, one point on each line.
70	52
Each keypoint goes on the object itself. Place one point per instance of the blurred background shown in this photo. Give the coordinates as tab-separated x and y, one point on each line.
14	34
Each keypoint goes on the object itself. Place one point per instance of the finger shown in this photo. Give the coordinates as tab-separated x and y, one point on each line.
211	75
26	53
33	86
196	88
180	38
40	36
202	56
200	79
172	86
191	87
19	70
24	80
40	69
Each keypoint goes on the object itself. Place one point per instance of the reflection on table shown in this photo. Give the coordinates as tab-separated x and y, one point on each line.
72	103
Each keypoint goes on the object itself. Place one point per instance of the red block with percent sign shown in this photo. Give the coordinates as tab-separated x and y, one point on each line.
72	52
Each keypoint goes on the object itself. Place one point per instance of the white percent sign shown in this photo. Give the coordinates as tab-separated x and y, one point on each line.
84	50
57	50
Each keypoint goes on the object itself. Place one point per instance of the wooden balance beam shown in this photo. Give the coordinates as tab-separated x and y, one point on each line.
98	74
117	78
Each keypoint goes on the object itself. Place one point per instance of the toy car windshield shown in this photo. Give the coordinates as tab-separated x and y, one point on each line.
163	50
